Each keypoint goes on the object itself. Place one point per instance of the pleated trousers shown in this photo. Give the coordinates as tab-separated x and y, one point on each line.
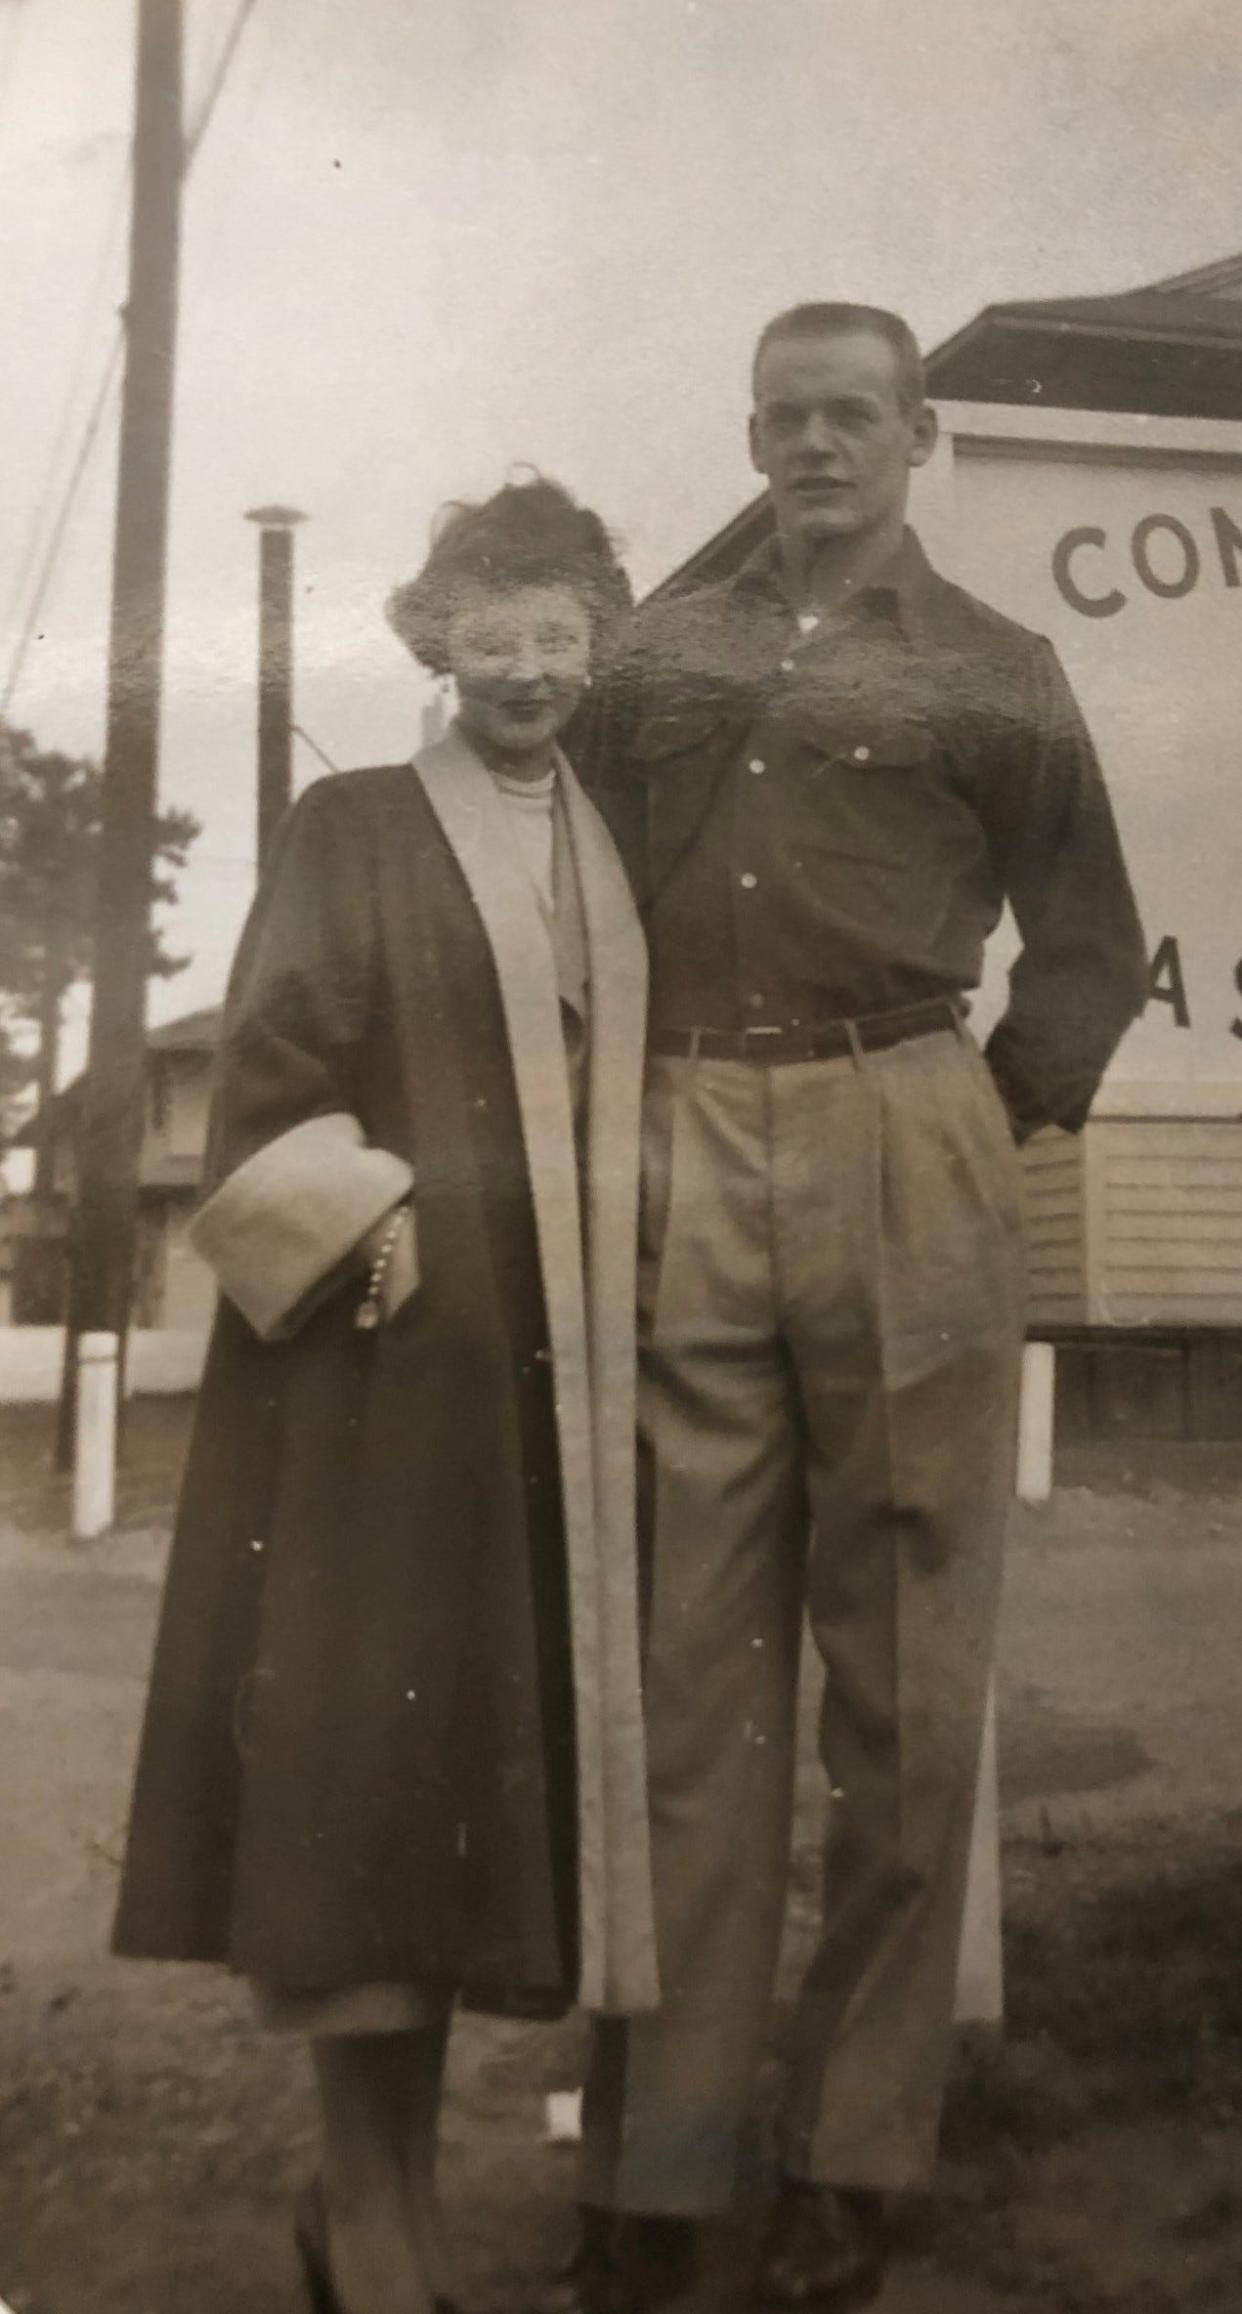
832	1280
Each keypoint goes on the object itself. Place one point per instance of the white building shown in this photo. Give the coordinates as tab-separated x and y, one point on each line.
173	1288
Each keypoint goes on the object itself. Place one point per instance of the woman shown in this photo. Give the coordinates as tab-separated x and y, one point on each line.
393	1749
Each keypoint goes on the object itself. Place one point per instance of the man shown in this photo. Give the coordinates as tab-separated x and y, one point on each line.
826	776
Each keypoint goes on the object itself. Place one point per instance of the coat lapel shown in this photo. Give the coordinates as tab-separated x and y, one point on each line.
590	1333
617	969
465	802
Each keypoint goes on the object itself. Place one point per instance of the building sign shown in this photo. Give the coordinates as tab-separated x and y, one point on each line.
1163	551
1121	539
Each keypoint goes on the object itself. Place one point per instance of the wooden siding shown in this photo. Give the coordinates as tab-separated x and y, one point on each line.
1165	1199
1136	1222
1052	1182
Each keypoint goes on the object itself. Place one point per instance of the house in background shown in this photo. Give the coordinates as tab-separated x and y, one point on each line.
174	1290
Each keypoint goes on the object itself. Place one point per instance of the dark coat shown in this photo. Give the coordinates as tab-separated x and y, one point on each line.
394	1727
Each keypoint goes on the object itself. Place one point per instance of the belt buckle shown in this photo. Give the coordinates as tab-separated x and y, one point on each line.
771	1029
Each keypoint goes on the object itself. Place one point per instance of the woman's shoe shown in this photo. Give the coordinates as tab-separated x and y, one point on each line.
826	2249
310	2233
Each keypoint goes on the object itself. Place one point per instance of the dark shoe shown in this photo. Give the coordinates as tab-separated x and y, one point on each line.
656	2259
310	2233
626	2264
824	2249
583	2285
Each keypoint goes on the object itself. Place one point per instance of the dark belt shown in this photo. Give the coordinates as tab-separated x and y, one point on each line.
807	1040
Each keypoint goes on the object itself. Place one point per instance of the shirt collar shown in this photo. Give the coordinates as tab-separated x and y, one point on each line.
901	589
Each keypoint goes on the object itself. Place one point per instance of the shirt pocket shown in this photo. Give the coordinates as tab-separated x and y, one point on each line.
865	794
877	831
665	737
681	762
863	749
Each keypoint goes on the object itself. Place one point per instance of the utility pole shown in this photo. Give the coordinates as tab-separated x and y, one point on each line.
276	528
114	1091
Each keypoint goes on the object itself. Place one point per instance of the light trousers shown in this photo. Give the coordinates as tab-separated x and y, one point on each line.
831	1294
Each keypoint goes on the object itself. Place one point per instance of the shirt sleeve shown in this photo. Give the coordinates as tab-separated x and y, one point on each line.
292	1181
600	746
1081	975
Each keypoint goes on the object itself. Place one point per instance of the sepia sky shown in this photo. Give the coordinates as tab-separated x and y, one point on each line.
427	239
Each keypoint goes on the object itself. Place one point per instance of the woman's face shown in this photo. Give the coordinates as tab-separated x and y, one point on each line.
519	657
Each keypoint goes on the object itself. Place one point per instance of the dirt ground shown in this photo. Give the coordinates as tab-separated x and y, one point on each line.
150	2138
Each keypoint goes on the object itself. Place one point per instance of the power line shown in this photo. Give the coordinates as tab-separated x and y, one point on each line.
98	407
109	249
314	746
223	67
35	529
61	525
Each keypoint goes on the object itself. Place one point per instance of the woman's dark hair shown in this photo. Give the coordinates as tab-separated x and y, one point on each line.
529	534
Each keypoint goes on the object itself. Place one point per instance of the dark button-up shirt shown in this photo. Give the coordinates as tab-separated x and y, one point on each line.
823	820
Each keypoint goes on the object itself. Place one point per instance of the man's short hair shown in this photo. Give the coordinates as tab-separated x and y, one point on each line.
834	320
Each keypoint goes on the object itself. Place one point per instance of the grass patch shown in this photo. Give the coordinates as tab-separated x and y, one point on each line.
1140	1981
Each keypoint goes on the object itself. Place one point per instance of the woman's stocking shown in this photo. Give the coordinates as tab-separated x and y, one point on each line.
379	2093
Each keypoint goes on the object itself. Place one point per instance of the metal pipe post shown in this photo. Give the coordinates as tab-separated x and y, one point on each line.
275	783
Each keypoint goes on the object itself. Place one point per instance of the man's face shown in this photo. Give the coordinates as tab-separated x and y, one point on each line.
830	433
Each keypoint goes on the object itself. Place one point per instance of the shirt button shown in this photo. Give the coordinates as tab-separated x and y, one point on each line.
748	882
755	1000
787	666
862	755
756	764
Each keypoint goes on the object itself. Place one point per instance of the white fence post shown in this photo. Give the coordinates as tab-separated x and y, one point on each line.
94	1446
980	1965
980	1998
1035	1422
